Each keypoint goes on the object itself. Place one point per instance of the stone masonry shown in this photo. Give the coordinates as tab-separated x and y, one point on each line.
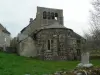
48	39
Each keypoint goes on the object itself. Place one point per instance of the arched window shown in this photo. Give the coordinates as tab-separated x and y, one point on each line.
49	16
48	44
56	14
52	15
44	15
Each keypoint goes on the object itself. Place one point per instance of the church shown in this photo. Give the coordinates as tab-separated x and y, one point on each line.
47	38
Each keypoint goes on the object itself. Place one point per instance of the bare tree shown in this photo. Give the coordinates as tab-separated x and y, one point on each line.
88	46
95	24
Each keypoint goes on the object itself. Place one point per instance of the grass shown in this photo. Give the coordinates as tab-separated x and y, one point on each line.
11	64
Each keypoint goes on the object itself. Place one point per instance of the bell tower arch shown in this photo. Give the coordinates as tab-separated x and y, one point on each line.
47	16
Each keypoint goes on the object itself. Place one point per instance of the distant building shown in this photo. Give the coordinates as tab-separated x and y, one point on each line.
46	37
5	37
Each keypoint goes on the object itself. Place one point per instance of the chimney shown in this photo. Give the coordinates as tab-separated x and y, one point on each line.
31	20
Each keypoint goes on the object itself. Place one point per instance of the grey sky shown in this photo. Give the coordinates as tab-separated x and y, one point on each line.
15	14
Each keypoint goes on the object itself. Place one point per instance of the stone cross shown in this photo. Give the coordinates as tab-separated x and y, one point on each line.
85	58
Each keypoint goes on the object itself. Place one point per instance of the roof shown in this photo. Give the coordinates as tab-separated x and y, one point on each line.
52	26
49	8
4	29
27	26
23	29
1	26
55	25
78	36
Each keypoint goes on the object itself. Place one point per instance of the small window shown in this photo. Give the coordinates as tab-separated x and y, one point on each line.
52	15
69	34
78	41
78	51
44	15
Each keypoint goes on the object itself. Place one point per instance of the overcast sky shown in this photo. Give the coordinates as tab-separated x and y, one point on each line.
15	14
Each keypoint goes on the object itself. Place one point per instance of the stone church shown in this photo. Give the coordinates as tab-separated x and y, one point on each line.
47	38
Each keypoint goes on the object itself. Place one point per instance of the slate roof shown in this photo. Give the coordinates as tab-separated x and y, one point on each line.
55	25
4	29
27	26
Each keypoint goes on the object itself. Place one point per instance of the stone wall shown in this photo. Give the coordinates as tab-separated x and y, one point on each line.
59	45
4	39
50	15
51	44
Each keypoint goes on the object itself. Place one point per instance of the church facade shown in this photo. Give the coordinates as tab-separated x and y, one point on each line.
47	38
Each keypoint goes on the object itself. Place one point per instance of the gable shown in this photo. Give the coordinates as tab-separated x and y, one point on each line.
4	29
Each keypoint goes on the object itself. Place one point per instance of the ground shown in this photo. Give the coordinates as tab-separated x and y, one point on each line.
11	64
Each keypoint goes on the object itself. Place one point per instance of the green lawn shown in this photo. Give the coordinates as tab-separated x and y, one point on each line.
11	64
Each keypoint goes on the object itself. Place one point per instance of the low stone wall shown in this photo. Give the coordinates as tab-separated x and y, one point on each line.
8	49
79	71
94	57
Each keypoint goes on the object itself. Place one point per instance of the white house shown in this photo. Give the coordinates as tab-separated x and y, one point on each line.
5	37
